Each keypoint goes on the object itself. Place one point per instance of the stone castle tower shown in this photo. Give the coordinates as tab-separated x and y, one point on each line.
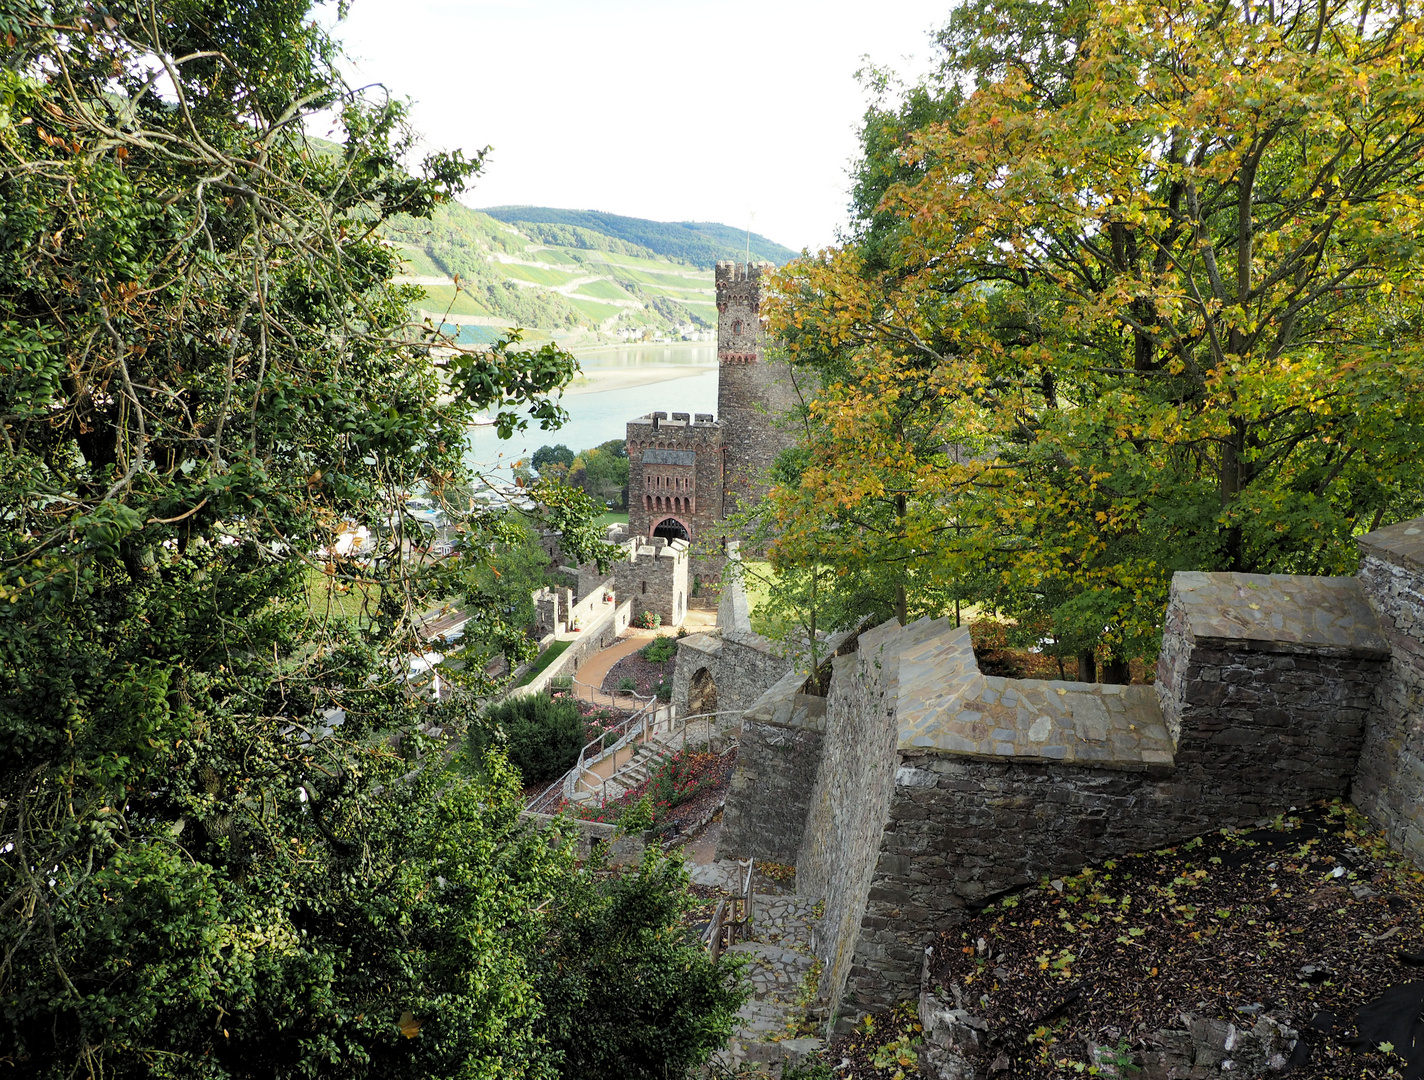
687	472
752	393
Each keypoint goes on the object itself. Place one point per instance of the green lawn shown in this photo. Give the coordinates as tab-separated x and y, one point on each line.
327	597
547	657
758	577
613	517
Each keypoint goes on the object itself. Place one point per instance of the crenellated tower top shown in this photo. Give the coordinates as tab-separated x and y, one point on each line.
739	335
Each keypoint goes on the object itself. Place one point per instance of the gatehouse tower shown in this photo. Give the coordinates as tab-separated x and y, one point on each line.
687	472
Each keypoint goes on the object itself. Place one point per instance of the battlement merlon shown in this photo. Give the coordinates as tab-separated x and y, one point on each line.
730	271
661	421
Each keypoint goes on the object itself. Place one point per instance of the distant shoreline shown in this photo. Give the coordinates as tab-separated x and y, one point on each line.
601	380
619	345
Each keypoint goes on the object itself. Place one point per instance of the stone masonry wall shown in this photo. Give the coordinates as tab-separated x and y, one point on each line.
1269	677
742	668
654	576
1389	786
994	783
780	750
851	798
697	504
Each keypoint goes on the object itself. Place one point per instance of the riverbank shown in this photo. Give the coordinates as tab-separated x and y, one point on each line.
597	380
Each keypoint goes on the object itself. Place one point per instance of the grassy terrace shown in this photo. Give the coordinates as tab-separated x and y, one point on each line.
547	657
602	290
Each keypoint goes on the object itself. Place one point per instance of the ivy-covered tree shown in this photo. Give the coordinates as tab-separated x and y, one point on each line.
228	847
1135	288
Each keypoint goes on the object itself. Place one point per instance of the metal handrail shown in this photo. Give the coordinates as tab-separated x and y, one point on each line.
682	726
636	726
549	797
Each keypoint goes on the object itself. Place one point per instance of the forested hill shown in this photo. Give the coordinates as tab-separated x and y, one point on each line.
700	243
579	276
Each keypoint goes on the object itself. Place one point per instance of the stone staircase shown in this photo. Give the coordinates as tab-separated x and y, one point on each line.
782	971
649	755
645	761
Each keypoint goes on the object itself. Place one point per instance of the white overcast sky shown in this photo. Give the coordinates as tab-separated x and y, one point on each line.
676	110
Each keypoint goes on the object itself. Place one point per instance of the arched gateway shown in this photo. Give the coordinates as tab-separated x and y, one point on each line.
701	694
670	528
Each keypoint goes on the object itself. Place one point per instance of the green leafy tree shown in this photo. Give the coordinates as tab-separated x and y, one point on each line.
1134	289
230	849
541	735
602	473
558	454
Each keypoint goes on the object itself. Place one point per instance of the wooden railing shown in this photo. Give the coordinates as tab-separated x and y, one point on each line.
732	917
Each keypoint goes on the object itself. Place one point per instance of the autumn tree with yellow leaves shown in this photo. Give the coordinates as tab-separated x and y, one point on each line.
1134	288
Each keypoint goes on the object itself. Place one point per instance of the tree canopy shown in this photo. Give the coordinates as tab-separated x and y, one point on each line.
231	844
557	454
1134	288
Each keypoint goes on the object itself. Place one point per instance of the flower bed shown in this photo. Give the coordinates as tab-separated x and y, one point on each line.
677	783
646	675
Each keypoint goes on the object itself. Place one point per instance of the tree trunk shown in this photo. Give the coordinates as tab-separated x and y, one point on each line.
1087	666
1117	670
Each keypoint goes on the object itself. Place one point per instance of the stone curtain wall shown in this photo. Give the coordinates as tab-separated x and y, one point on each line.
742	667
654	576
1389	786
940	787
851	798
779	751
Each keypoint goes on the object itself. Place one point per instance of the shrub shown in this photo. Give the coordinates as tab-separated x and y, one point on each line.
627	992
543	736
659	651
663	690
650	620
627	685
637	817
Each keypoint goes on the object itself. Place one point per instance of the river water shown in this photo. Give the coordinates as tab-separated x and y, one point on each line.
595	418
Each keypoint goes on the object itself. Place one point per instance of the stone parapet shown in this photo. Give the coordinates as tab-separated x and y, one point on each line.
940	788
1283	703
946	705
1389	783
